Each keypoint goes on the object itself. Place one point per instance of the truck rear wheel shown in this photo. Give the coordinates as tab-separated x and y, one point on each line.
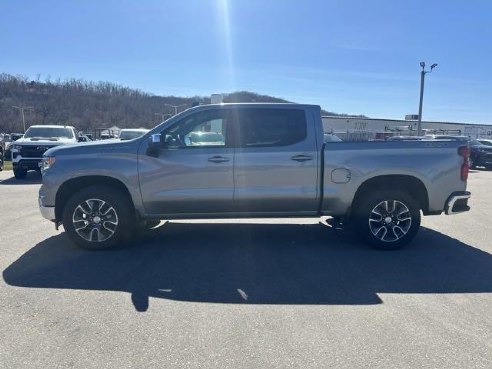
386	219
98	218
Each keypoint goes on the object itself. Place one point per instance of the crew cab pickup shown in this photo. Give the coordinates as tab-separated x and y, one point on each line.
265	160
27	151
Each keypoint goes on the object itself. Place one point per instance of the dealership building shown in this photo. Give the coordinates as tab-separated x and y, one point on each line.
371	128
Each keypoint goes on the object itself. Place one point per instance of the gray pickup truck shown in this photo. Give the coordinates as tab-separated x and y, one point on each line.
250	160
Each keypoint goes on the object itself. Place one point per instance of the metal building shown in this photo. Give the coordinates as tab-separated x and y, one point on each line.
357	128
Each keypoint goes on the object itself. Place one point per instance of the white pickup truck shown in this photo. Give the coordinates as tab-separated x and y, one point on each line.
27	152
250	160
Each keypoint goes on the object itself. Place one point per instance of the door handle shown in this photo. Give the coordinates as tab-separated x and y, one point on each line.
301	158
218	159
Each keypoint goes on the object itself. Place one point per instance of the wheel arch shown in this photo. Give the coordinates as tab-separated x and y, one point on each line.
410	184
68	188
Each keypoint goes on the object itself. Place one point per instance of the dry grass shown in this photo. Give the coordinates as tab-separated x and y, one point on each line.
7	165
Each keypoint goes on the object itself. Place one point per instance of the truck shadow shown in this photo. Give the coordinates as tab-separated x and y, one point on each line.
256	264
32	177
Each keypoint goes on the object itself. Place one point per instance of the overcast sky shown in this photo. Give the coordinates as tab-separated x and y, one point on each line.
356	57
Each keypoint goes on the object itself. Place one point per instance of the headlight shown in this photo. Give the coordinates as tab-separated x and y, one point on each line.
47	163
16	147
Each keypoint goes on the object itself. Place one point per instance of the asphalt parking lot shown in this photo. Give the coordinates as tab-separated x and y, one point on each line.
245	294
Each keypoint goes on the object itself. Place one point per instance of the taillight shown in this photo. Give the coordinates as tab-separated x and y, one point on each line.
464	171
464	151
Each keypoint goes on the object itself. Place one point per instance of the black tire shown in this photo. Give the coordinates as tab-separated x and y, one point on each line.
386	219
95	221
20	173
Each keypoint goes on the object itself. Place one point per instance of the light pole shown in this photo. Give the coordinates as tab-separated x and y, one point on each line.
175	107
21	110
423	72
162	115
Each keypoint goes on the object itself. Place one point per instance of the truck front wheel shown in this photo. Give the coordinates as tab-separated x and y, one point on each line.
386	219
20	173
98	218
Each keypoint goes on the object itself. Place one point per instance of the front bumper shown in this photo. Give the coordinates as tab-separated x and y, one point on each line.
482	159
457	203
28	164
48	212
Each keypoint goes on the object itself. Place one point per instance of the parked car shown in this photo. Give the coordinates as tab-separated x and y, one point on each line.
7	154
330	137
27	152
83	138
406	138
1	160
131	133
272	163
16	136
480	154
4	142
485	141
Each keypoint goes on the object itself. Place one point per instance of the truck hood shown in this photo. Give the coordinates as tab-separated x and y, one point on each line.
34	141
94	147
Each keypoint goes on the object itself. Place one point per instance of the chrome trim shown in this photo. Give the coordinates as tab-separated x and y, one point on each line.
452	201
48	212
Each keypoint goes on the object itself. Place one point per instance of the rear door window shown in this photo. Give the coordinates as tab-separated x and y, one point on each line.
271	127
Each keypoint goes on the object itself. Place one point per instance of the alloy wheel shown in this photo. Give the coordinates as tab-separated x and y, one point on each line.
390	220
95	220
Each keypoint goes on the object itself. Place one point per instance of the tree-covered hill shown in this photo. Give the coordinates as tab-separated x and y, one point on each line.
87	105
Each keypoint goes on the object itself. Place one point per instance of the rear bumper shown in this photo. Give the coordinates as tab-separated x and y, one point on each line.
457	203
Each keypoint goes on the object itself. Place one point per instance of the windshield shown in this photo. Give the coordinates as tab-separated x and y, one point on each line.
49	132
129	135
474	142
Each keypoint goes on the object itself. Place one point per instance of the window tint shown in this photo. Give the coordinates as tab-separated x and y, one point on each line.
199	130
271	127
